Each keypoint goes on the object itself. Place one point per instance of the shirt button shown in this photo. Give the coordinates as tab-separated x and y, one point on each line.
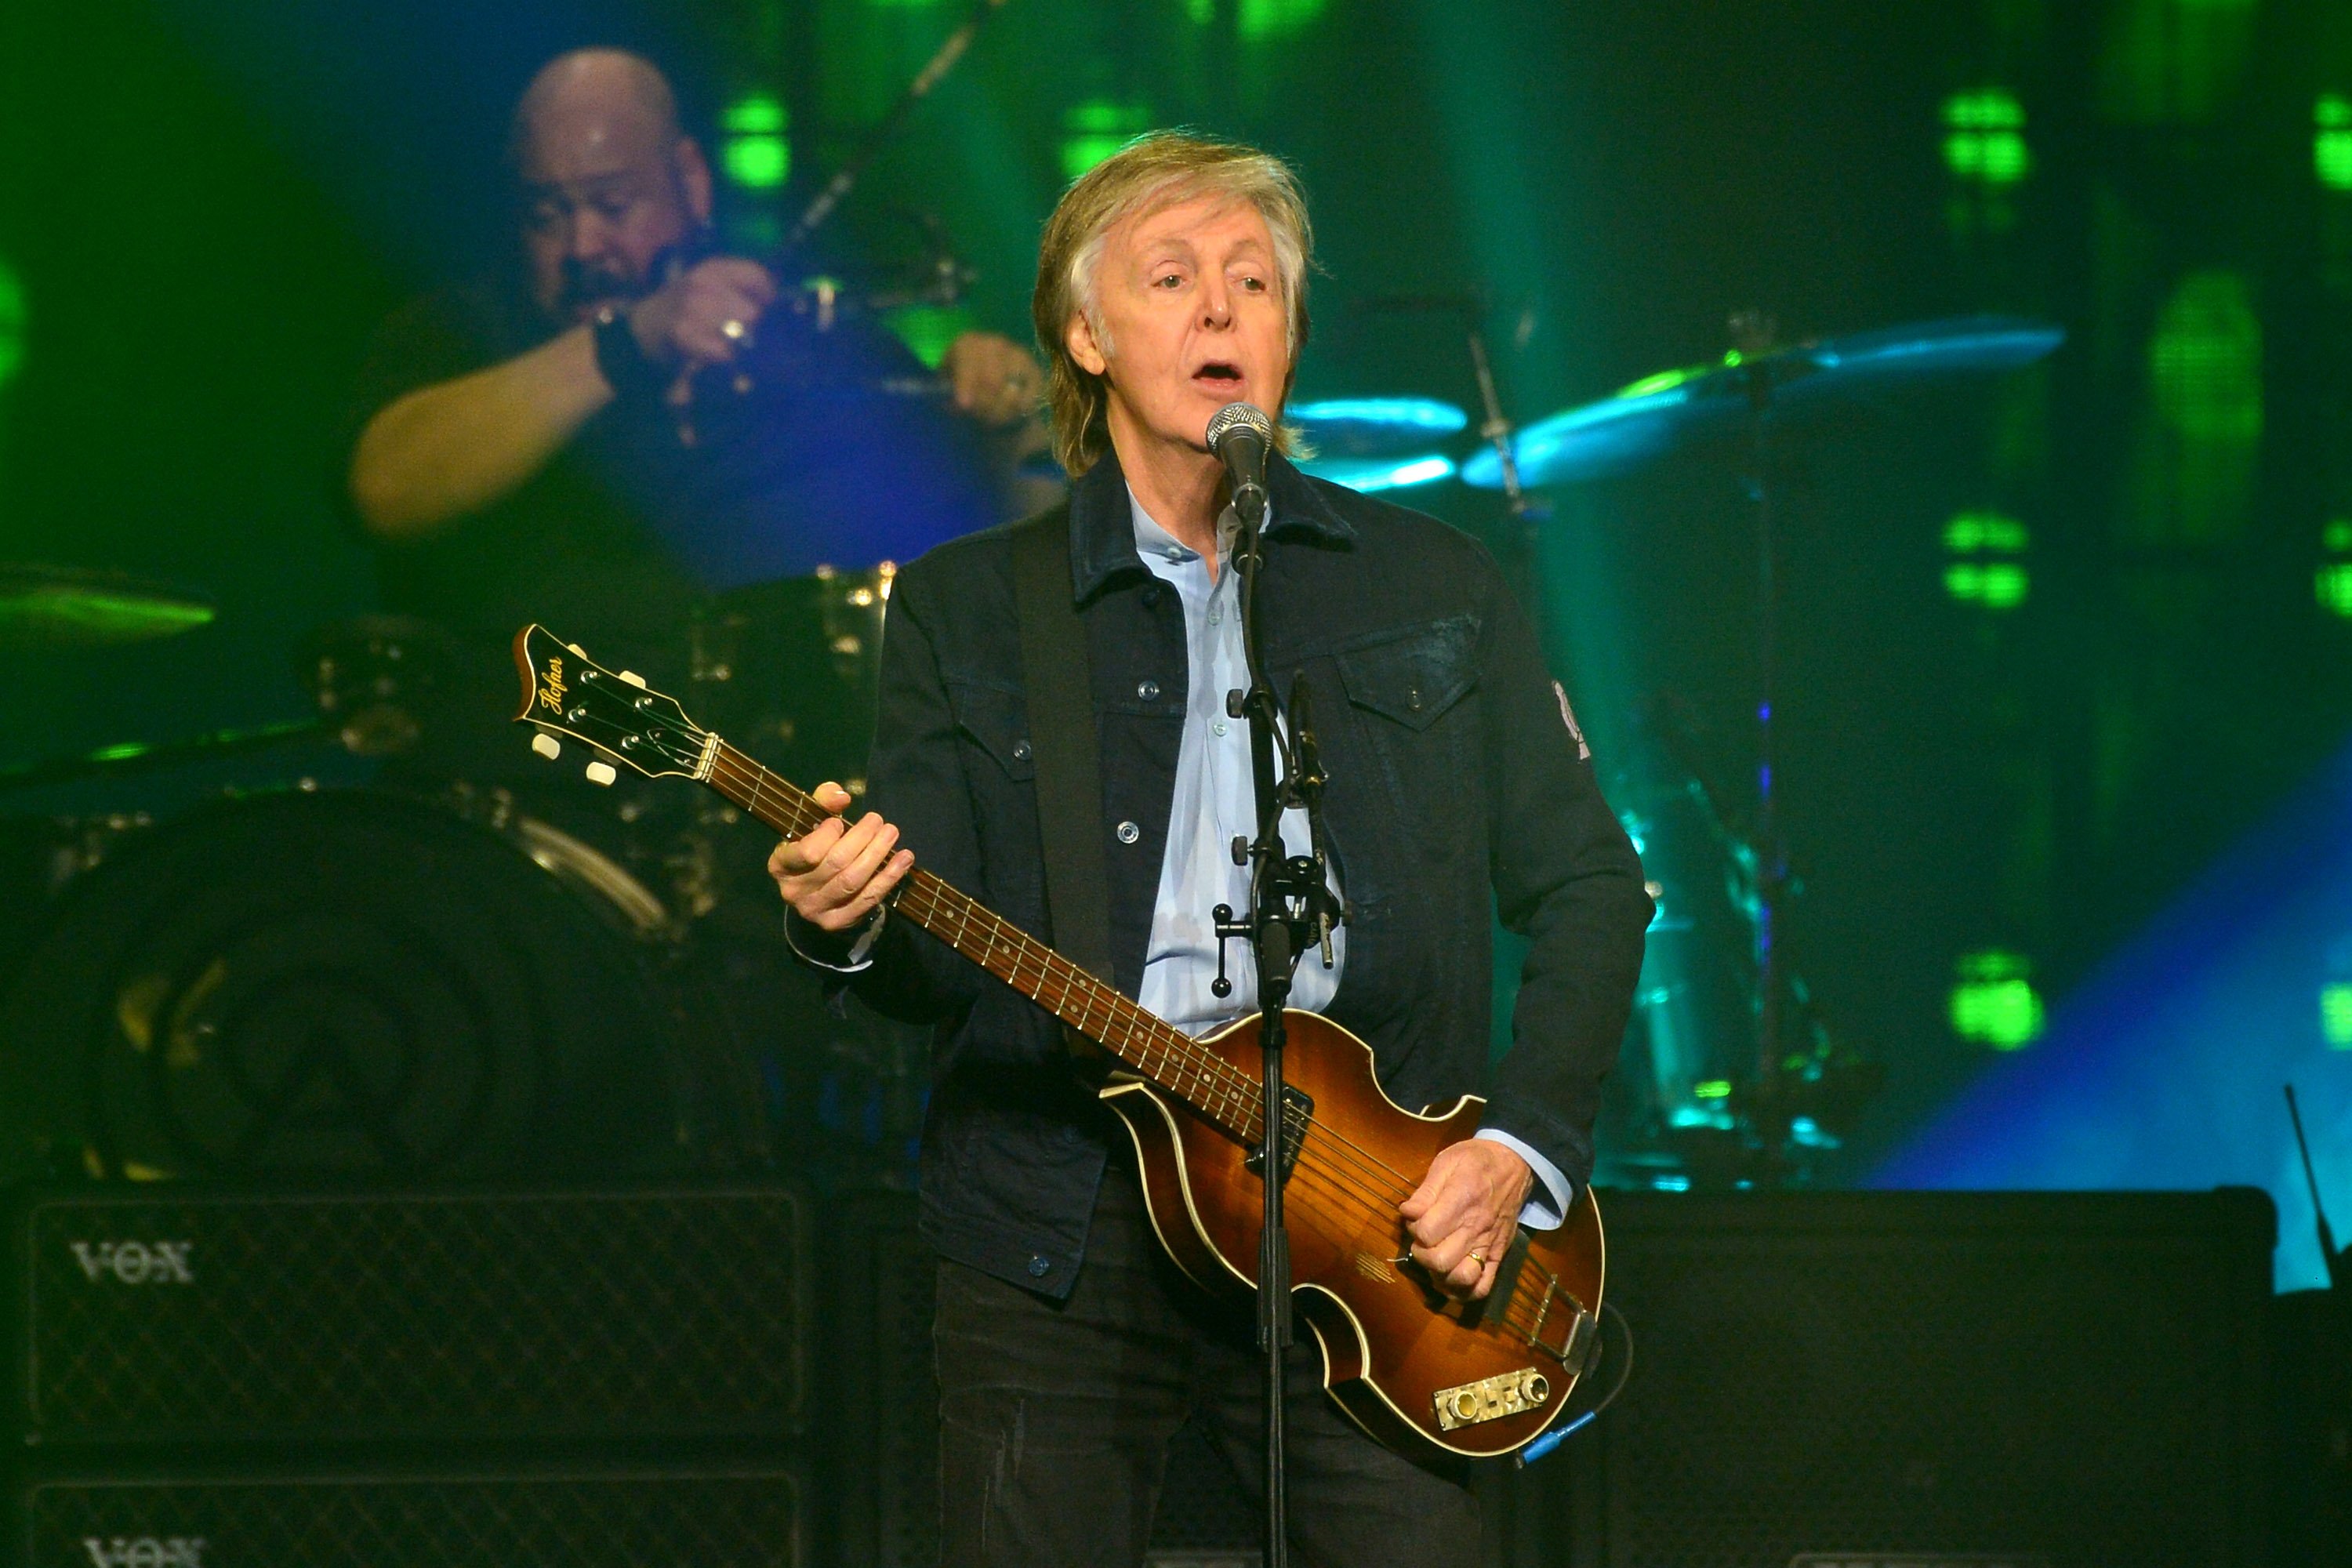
1129	833
1218	728
1020	751
1216	617
1039	1266
1176	552
1147	690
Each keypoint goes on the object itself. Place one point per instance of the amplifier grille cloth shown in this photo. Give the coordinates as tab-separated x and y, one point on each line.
419	1316
736	1519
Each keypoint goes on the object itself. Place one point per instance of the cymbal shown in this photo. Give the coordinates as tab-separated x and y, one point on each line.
1374	426
70	606
1659	412
1369	474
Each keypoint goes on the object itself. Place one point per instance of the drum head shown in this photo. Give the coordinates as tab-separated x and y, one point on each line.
339	983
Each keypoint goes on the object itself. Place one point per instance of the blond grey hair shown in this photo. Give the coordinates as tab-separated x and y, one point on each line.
1151	173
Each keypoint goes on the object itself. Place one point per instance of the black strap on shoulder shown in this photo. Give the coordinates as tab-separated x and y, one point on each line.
1055	671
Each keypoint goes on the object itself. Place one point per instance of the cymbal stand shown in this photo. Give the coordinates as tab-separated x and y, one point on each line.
1771	855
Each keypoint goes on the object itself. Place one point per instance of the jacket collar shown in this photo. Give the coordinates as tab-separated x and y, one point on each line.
1102	526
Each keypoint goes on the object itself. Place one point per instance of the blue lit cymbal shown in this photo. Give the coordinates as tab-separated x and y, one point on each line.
1374	426
1660	412
1383	473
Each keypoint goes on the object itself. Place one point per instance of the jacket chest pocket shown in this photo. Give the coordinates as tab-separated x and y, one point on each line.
993	725
1413	695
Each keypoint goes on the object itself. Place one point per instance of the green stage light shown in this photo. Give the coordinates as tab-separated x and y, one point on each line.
928	329
1970	531
1260	20
1986	577
754	150
2331	141
1994	1002
1093	130
2335	1016
1984	137
12	324
2333	585
2207	356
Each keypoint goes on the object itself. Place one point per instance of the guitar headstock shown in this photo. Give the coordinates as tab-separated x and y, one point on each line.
565	692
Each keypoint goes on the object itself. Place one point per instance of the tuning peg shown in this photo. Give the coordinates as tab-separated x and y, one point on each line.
634	678
601	773
547	745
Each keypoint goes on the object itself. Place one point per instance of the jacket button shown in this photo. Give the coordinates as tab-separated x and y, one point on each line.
1020	751
1147	690
1412	698
1039	1266
1129	833
1151	595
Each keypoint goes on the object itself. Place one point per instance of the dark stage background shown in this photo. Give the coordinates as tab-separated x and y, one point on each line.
2011	752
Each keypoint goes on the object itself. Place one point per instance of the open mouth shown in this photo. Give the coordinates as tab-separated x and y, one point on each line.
1219	378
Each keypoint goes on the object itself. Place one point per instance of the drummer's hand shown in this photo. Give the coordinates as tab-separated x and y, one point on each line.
997	381
835	873
1469	1203
705	315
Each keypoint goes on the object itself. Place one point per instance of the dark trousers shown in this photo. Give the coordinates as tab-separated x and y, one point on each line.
1056	1418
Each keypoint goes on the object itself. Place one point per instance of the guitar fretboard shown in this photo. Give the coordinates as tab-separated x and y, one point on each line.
1147	1045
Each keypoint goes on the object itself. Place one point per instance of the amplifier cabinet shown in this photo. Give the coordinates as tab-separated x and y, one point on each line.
181	1316
2076	1379
703	1517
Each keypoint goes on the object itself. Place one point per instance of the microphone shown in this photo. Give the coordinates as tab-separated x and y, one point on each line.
1240	436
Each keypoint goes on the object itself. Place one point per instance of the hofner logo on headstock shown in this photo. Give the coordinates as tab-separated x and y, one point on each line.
551	687
136	1262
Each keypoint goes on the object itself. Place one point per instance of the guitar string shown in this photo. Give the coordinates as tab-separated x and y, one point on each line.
1079	986
1170	1042
1161	1038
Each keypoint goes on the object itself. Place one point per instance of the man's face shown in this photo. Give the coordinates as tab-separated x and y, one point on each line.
1194	317
603	198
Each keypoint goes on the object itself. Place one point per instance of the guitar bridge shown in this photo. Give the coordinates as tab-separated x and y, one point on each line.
1298	1108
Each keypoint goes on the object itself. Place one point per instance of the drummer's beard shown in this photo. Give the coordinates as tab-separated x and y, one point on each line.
587	288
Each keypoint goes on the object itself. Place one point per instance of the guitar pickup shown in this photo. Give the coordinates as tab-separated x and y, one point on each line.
1297	1106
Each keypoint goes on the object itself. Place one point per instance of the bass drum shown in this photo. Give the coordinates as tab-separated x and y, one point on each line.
345	984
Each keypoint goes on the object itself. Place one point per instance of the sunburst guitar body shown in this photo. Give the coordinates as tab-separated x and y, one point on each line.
1413	1366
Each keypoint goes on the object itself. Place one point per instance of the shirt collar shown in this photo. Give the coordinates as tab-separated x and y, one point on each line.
1102	525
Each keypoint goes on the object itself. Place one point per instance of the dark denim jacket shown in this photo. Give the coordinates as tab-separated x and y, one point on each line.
1456	793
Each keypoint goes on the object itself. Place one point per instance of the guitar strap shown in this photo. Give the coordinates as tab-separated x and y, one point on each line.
1057	677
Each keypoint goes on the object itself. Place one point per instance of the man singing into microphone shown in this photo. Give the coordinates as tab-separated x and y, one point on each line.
1172	282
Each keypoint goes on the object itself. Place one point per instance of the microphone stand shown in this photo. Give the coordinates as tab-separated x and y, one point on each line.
1291	905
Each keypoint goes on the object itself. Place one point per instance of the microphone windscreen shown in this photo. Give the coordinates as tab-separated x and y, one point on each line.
1234	416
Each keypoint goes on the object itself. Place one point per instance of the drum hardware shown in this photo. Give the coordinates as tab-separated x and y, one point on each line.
374	679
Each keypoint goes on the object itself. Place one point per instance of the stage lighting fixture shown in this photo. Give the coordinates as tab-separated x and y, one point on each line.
1993	1001
753	149
1985	571
2331	141
1984	137
1093	130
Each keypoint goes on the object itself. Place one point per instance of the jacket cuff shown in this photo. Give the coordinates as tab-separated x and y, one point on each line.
842	951
1547	1201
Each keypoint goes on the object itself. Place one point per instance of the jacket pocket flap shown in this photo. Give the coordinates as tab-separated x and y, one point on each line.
999	720
1414	675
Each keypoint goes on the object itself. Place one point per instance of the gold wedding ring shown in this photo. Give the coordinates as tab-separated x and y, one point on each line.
1477	1258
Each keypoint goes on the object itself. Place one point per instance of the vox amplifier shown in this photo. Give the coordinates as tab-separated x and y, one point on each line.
178	1315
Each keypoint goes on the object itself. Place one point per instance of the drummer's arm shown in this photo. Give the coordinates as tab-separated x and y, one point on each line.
449	450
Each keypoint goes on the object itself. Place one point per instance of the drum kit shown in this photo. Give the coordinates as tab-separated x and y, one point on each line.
399	965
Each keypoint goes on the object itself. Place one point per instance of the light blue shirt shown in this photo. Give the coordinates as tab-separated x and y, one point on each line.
1215	802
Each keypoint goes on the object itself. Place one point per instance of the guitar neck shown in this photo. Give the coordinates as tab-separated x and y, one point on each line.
1145	1044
